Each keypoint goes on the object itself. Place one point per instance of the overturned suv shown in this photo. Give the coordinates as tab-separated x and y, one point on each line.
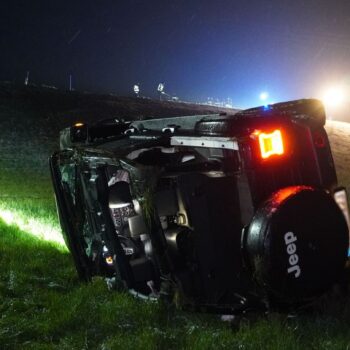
218	213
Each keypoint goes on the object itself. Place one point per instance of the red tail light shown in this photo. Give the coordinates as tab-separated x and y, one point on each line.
271	144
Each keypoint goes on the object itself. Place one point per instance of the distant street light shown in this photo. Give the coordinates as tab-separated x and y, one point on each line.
137	89
160	89
26	81
264	96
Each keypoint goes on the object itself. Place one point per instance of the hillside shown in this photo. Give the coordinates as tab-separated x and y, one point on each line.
31	118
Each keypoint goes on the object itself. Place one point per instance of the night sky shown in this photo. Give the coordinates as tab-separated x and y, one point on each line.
200	49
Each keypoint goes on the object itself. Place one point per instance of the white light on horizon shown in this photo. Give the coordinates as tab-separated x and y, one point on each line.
334	97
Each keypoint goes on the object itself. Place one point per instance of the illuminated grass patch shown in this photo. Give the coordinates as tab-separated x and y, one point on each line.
28	203
38	227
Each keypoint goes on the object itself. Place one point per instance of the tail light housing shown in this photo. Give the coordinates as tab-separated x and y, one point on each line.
271	143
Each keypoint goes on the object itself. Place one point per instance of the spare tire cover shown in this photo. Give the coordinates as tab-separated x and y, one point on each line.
297	243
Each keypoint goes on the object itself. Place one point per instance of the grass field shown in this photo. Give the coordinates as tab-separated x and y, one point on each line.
44	306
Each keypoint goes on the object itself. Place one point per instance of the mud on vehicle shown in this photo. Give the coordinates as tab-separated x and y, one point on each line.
215	212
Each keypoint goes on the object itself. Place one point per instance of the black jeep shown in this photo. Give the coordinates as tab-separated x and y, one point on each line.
216	212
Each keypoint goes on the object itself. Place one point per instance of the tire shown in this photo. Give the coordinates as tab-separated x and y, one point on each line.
297	244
